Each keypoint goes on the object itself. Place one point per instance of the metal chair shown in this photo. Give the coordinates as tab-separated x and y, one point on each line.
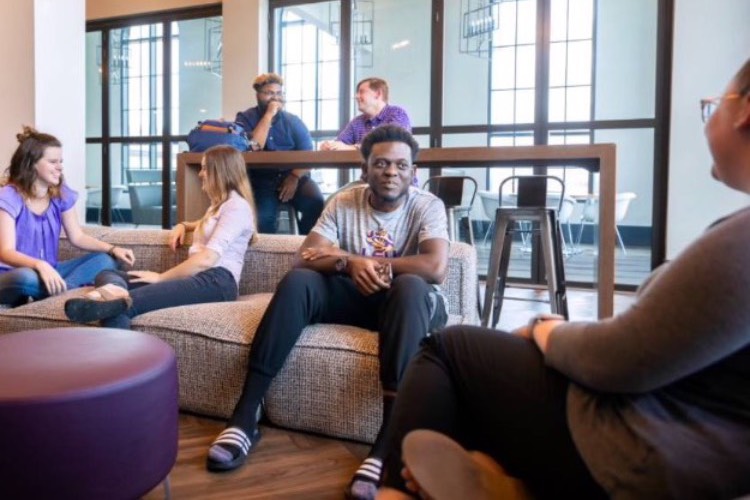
531	210
458	194
287	218
94	200
146	201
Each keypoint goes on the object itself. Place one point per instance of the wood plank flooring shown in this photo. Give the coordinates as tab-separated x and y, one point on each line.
293	465
286	465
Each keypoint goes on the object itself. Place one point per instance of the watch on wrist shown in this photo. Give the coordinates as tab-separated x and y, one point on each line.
254	145
341	264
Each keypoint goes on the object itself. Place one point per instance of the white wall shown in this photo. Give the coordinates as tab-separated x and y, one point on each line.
59	83
711	42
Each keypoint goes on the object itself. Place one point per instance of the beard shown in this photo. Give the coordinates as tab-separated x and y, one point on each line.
263	106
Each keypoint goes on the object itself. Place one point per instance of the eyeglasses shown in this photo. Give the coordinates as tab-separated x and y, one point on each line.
271	93
708	106
382	164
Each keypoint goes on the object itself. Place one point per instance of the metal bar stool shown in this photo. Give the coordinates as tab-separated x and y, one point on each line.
457	193
287	218
531	207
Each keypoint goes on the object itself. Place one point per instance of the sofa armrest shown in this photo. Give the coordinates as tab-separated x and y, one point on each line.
460	285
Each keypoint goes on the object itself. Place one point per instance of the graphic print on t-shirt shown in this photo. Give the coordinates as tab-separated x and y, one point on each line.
380	243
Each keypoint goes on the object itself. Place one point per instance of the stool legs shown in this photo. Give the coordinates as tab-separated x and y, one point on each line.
552	253
554	265
497	271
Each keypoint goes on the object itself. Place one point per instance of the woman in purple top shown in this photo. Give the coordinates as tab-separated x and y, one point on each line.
211	273
35	203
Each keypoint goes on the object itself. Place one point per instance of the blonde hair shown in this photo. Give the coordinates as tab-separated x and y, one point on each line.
267	79
225	172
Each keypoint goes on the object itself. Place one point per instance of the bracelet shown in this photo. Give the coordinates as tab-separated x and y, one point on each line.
111	251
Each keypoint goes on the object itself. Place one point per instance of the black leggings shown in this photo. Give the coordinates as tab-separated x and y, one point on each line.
492	392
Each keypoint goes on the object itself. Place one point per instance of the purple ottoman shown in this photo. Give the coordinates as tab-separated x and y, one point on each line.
86	413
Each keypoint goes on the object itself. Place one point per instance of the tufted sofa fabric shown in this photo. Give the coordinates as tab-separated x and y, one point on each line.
329	384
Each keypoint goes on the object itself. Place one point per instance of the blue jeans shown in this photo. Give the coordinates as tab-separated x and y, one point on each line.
22	283
307	201
212	285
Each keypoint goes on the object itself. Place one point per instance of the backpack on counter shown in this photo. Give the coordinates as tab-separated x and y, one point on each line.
212	132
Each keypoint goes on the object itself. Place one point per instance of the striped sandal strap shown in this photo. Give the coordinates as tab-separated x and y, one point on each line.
234	436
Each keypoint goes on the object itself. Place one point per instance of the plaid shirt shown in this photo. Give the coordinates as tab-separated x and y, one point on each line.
361	125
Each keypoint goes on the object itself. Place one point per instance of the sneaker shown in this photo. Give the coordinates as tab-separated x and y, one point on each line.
438	311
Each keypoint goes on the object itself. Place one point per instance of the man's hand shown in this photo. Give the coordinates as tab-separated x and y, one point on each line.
145	276
273	109
288	187
315	253
336	146
366	275
52	280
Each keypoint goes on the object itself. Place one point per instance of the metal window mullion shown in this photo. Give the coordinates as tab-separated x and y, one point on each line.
436	76
592	117
106	208
166	185
345	74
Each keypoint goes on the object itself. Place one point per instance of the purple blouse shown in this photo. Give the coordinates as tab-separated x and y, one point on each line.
361	125
37	236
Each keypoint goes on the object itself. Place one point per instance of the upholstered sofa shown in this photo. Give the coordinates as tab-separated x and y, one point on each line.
329	384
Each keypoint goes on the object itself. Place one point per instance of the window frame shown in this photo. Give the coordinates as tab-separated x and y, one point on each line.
106	140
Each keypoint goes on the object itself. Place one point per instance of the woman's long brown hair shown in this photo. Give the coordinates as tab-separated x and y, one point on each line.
225	172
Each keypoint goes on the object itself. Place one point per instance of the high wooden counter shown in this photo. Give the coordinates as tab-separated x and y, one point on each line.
192	203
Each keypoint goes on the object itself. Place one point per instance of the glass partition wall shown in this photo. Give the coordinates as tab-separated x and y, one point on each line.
147	85
501	73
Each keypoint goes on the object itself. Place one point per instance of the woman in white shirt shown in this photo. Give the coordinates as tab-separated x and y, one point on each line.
212	270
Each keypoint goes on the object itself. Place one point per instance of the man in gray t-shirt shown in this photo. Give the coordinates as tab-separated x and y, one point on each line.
373	260
350	222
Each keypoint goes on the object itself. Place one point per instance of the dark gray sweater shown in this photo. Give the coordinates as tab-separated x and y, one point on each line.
660	404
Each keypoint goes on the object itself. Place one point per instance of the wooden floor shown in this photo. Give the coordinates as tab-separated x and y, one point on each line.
286	465
290	465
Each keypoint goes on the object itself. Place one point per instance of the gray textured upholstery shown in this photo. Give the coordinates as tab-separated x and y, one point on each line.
329	384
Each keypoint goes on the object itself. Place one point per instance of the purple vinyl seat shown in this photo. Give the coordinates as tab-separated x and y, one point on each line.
86	413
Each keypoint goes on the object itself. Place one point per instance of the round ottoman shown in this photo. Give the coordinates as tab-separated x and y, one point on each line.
86	413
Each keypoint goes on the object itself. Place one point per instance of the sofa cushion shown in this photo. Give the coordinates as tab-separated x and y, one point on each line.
329	383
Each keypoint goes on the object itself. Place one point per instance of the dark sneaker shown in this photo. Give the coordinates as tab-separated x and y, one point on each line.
438	311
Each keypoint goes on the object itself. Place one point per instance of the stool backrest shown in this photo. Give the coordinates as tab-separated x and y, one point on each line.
533	191
455	191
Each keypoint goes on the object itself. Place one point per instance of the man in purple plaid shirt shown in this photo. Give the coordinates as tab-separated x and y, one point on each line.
372	101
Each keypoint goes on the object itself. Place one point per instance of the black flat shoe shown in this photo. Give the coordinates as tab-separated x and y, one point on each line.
82	310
